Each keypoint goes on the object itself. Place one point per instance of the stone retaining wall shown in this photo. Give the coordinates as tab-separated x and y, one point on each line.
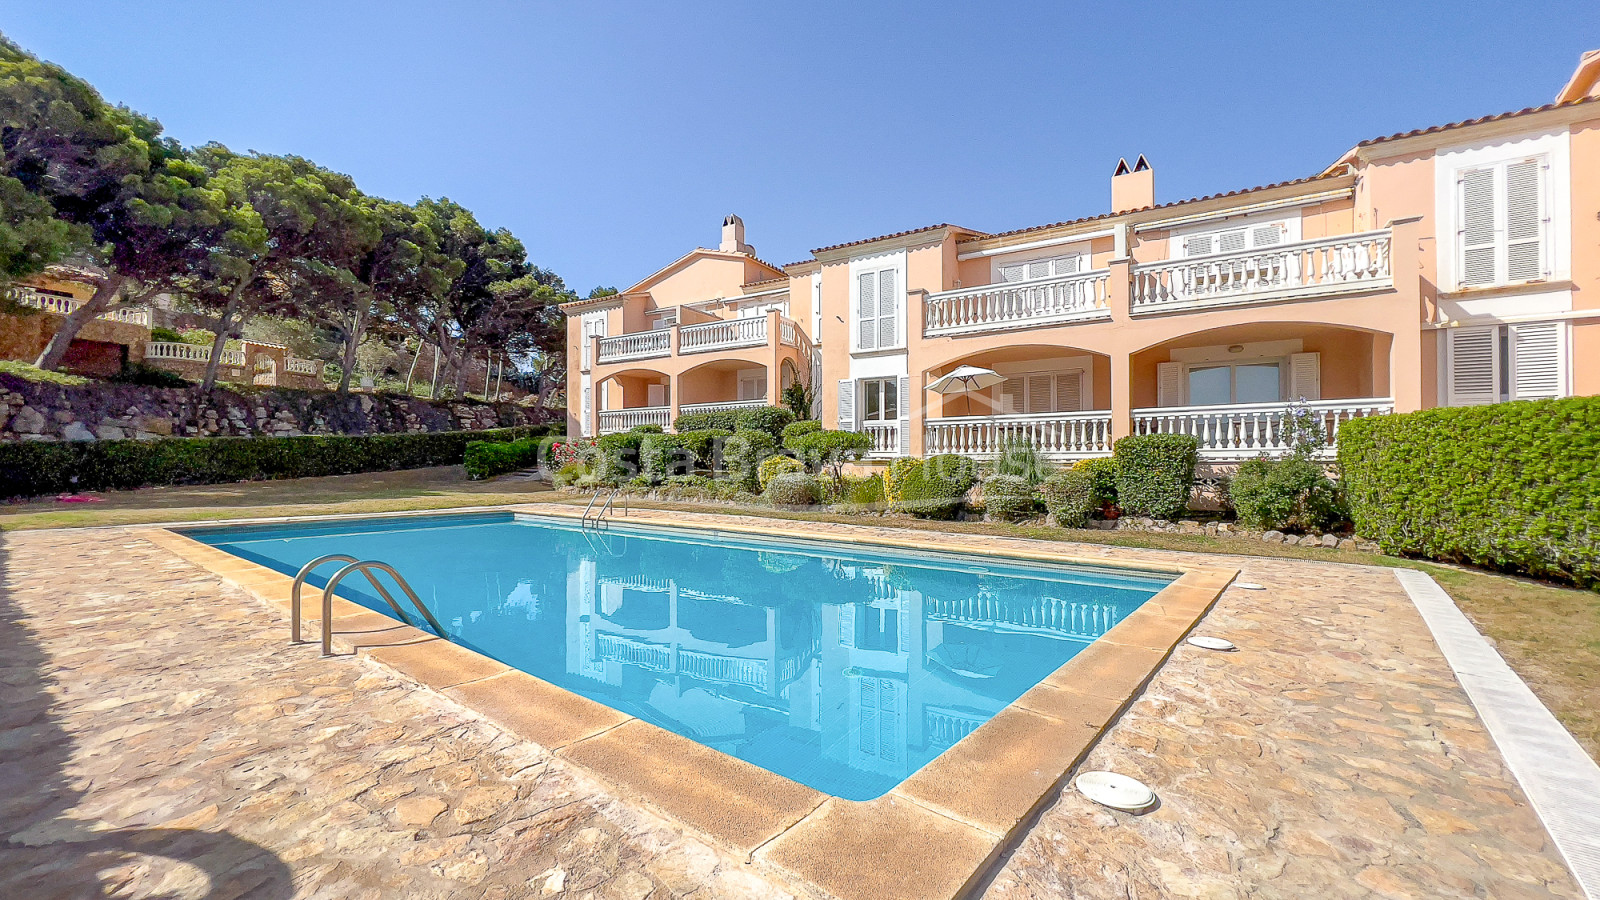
33	411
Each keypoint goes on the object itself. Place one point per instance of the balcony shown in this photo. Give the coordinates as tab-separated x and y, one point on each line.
614	421
723	406
61	306
177	352
1056	435
1248	430
707	337
642	345
1302	270
1017	304
885	439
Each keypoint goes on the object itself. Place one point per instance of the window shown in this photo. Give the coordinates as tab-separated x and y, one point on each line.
593	326
1041	392
880	400
1042	268
1506	362
877	309
1501	225
759	310
1295	377
752	384
1235	240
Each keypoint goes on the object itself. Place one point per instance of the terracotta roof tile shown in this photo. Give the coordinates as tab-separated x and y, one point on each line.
884	237
1467	123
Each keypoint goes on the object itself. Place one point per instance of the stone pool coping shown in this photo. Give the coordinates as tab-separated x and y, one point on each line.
936	834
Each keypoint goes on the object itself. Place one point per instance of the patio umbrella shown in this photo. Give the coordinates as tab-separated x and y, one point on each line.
966	379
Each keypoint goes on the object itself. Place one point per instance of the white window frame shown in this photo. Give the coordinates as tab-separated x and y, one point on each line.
1024	383
875	266
1282	362
1287	229
1554	144
1504	358
1499	174
888	390
757	377
1058	266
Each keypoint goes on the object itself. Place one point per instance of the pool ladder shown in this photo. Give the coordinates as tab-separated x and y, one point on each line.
597	518
365	567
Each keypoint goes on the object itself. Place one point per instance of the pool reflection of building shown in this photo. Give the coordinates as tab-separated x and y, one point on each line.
889	668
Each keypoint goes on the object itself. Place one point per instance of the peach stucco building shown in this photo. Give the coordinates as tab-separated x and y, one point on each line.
1450	265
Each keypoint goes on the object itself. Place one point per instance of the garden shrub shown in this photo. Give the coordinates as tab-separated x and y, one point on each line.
1289	494
569	474
44	467
793	431
831	450
864	490
721	420
1069	496
932	508
938	477
617	456
1008	498
743	454
773	466
792	489
771	419
1154	474
486	459
149	376
1019	457
646	429
1102	473
664	455
1510	486
705	444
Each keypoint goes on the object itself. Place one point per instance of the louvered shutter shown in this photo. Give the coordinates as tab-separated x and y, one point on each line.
847	625
1068	265
889	741
1069	396
1524	221
1305	376
1230	241
1474	363
1197	244
867	311
1012	273
1169	384
905	416
847	405
867	709
1011	392
1477	227
888	309
1538	360
1041	394
1039	269
1266	235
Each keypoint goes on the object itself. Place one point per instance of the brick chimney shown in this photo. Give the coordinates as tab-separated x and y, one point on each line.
733	236
1133	188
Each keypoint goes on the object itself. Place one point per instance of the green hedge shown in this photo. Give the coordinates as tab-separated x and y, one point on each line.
1289	494
486	459
1008	498
1154	474
31	469
1512	486
1070	496
770	419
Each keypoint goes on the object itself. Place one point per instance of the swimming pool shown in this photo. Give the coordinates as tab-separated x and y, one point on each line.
843	667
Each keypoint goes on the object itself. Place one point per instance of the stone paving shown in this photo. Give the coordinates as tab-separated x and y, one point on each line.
156	729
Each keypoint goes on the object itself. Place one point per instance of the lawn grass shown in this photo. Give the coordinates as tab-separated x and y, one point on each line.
1548	633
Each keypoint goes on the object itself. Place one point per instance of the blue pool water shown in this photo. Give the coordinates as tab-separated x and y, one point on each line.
838	666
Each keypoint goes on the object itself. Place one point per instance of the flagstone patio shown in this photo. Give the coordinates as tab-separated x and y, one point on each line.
158	730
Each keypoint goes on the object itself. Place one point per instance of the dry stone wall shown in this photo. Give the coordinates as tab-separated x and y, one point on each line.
33	411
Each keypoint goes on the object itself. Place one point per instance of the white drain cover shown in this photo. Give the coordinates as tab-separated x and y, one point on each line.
1211	643
1249	586
1116	791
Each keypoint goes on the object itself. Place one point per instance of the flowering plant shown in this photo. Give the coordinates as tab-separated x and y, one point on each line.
564	453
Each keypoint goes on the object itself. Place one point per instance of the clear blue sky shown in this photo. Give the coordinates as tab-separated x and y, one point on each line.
612	137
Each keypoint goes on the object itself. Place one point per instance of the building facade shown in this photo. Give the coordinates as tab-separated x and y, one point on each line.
1457	264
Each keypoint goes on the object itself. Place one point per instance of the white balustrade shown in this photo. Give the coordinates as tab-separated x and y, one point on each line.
613	421
1245	430
724	669
639	345
1017	304
1056	435
61	306
1303	269
296	366
719	407
1066	618
724	335
789	333
885	438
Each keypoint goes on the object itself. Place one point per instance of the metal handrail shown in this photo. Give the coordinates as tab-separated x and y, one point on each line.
364	567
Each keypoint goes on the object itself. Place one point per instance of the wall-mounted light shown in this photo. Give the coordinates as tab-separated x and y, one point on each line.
1236	348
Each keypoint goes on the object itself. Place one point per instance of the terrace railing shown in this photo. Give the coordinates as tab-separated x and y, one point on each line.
172	350
1301	270
725	335
1246	430
613	421
719	407
1056	435
61	306
885	438
1017	304
1063	618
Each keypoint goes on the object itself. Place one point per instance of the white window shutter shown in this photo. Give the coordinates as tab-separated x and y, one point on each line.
1305	376
1197	244
1231	241
1266	235
1474	364
1039	269
1011	392
1012	273
1069	392
905	416
888	309
1169	384
847	405
1068	265
1478	244
847	624
1538	360
867	312
1525	221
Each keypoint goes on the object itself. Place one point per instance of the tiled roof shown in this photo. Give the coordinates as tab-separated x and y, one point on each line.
782	278
1113	215
884	237
1467	123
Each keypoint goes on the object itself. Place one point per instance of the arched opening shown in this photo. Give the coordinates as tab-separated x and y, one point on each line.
634	397
722	384
1057	398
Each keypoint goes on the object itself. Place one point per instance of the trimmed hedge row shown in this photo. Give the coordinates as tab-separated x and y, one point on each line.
771	419
1155	473
1512	486
34	468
